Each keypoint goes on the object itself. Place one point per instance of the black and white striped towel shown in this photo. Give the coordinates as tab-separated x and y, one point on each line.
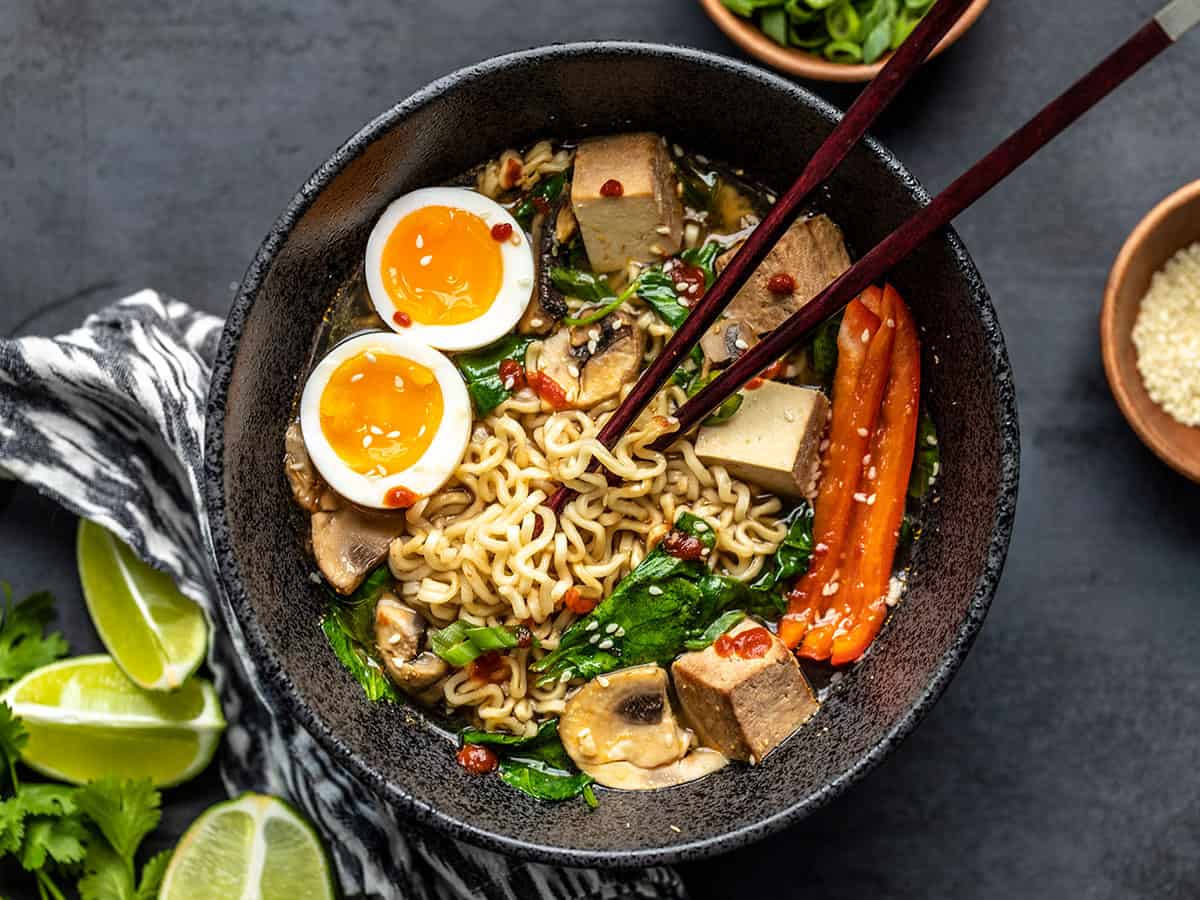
109	421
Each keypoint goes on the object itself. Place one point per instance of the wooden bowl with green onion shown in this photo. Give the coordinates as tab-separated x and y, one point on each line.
827	40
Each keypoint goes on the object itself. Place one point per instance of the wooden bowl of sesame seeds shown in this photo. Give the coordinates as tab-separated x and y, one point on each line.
1170	227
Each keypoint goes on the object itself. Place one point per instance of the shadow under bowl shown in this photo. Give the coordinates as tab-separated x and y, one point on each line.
730	111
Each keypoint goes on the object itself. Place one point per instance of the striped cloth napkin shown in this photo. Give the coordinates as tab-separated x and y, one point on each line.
108	420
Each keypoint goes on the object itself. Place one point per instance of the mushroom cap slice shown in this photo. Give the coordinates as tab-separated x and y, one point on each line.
399	631
298	467
349	542
628	777
624	716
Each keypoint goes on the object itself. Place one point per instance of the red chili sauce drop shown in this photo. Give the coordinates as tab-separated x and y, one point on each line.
549	390
490	667
612	188
691	277
512	374
749	644
401	318
399	498
501	231
783	283
477	759
682	546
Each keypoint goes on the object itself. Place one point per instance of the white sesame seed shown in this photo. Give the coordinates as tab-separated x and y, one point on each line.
524	282
314	577
871	500
591	626
821	547
824	445
891	323
376	430
866	335
937	360
420	241
515	239
594	334
605	644
684	302
366	441
741	344
620	632
395	638
701	527
931	439
830	589
867	460
592	345
594	639
657	250
565	676
357	376
663	229
654	590
862	432
393	434
860	497
602	681
421	431
574	370
933	473
871	473
369	356
610	627
674	828
536	322
677	150
426	260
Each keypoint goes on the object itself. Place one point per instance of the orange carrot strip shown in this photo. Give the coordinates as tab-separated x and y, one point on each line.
842	463
866	401
876	527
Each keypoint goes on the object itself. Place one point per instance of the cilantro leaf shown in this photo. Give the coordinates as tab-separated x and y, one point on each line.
13	737
152	875
61	839
12	826
124	811
23	646
106	875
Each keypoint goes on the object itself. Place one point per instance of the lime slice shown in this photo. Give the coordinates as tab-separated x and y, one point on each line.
156	635
86	719
251	848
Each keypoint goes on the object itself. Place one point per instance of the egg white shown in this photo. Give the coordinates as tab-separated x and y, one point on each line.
434	467
516	280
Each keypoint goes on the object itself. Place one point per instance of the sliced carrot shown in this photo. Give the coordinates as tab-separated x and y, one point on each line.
842	463
864	410
875	529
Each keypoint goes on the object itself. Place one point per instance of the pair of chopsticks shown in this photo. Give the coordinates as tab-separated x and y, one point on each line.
1148	42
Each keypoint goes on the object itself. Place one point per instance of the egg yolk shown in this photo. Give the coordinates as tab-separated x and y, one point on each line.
442	266
380	412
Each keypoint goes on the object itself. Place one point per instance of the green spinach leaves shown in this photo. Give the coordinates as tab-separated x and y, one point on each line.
481	371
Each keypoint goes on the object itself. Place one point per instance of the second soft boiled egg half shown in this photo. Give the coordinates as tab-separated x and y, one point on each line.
450	267
385	419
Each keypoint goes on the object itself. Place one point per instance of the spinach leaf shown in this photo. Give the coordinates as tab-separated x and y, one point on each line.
657	289
654	609
348	625
825	349
547	191
538	766
729	406
583	285
481	371
927	458
700	187
792	558
705	259
723	623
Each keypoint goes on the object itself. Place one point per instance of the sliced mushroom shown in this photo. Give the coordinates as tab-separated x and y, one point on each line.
299	469
547	306
594	362
620	729
399	633
626	776
348	542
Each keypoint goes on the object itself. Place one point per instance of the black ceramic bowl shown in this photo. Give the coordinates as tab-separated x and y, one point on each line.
732	112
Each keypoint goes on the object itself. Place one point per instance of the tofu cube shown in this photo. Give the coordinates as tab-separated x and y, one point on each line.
774	440
645	222
743	707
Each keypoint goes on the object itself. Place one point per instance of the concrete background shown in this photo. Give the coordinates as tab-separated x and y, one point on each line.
151	143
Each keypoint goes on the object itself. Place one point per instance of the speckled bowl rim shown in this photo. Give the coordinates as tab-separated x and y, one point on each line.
280	685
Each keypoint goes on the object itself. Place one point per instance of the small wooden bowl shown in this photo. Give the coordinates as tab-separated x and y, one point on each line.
1170	226
746	35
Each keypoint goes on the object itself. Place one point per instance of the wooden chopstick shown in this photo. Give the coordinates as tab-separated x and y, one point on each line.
1152	39
854	124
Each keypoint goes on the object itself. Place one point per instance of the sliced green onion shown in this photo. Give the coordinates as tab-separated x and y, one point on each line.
843	22
774	24
716	629
843	52
491	637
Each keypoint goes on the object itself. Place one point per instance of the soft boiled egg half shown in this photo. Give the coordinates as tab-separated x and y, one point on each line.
385	419
449	267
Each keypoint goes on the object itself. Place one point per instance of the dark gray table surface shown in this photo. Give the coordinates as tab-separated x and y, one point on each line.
151	143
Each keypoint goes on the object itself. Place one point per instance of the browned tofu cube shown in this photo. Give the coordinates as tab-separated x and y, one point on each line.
639	215
812	252
774	440
743	707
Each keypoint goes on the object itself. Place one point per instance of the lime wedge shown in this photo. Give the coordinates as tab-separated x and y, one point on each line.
252	848
156	635
86	719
